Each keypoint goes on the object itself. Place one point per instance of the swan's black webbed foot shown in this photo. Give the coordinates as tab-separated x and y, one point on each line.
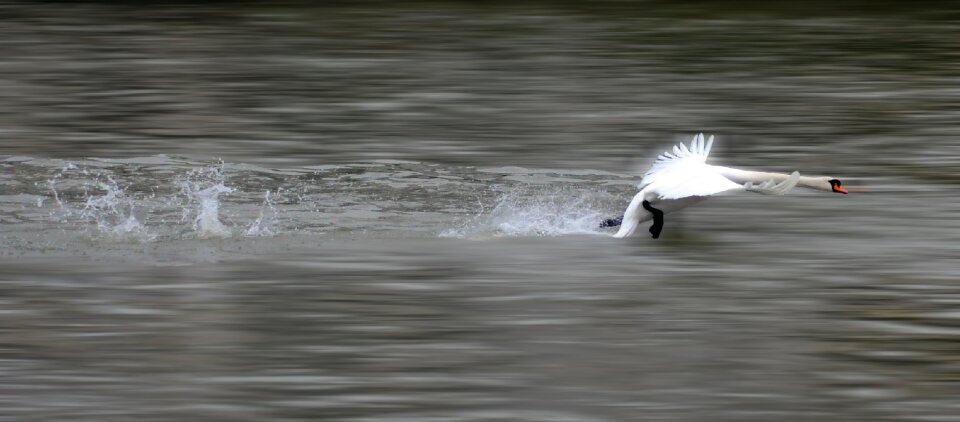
611	222
657	219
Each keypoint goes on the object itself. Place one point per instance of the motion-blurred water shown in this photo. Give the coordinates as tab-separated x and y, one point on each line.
383	212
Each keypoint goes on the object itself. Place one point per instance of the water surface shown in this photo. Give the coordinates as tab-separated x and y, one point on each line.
390	213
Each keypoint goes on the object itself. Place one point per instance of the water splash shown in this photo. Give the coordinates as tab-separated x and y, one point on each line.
530	211
105	204
113	212
202	189
262	226
51	184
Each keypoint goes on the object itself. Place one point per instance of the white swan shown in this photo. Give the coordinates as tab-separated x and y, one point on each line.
682	178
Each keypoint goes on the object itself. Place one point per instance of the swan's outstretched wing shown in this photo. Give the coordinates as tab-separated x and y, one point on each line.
684	173
697	153
693	181
772	188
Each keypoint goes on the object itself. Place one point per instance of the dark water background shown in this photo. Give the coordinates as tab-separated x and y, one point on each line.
370	211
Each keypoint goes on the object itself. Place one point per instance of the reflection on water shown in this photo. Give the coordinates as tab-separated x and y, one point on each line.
403	224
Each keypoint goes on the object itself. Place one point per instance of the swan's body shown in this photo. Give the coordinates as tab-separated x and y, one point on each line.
682	178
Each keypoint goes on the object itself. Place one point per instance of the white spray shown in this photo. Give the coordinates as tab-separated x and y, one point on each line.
535	211
203	188
261	226
113	212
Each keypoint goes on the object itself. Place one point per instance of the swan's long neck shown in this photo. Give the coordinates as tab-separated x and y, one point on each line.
744	176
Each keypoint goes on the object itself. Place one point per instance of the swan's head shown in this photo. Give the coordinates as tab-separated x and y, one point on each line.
824	183
835	186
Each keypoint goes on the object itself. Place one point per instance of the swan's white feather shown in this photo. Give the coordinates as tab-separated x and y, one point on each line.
681	177
685	173
681	154
689	179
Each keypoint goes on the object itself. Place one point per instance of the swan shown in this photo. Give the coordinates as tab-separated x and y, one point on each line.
682	178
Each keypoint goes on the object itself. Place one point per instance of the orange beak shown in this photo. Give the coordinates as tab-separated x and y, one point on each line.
839	189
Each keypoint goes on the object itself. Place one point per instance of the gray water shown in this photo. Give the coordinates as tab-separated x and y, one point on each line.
381	212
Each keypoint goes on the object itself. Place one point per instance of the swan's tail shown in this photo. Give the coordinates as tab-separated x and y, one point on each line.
632	216
627	228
